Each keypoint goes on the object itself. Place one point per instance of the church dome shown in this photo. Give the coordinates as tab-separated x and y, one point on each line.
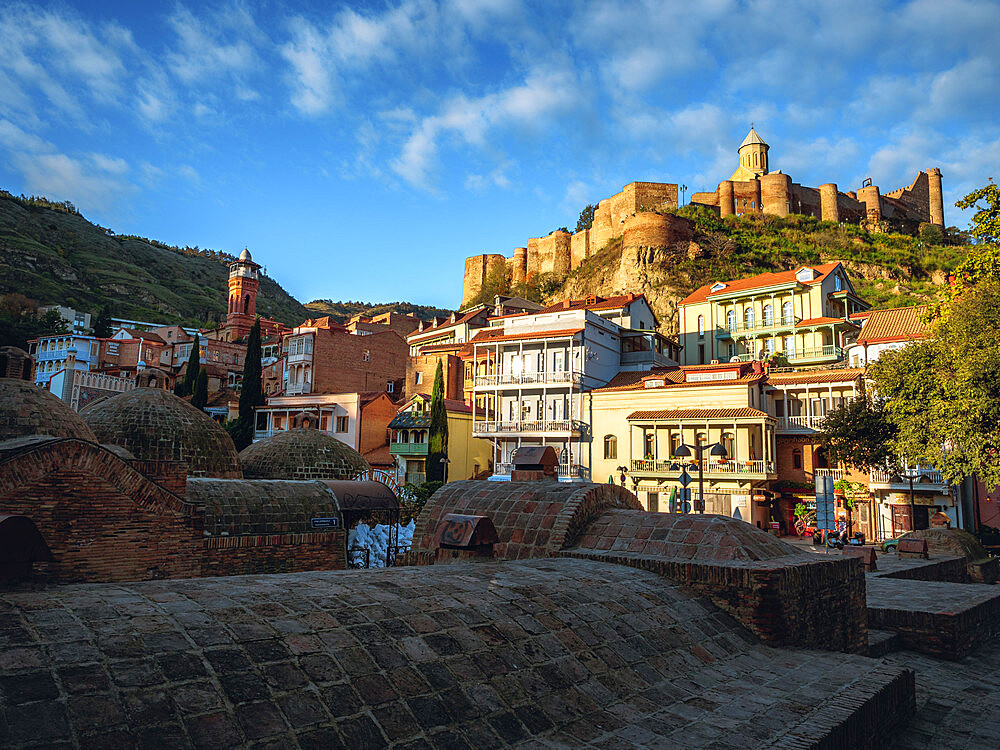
155	425
26	409
301	453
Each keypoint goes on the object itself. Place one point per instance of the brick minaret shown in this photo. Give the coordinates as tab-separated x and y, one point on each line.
244	279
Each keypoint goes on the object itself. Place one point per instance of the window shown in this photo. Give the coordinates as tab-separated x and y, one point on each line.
797	458
418	378
789	346
748	318
769	346
342	424
768	315
787	315
836	283
649	446
559	361
610	446
389	386
729	443
366	356
731	320
701	326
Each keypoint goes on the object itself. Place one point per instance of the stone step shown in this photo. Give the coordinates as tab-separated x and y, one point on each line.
881	642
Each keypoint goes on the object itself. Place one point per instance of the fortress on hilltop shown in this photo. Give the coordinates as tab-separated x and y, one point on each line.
753	188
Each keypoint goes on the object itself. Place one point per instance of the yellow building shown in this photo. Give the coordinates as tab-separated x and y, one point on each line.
804	314
641	418
467	456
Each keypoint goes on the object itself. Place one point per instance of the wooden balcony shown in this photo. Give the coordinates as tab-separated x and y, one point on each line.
551	426
748	469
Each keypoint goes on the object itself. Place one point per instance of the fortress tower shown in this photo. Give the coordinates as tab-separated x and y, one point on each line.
244	280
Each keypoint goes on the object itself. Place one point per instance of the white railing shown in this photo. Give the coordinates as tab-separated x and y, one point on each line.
920	477
660	466
529	378
835	473
563	470
814	422
552	425
296	389
818	352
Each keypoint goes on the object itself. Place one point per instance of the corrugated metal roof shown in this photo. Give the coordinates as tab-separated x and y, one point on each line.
896	324
595	303
674	414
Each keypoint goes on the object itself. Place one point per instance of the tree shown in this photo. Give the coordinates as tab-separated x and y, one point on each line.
191	371
102	324
20	321
437	448
586	220
497	281
943	393
251	393
985	225
200	396
859	433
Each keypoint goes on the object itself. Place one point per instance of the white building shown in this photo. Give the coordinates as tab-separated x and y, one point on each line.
531	371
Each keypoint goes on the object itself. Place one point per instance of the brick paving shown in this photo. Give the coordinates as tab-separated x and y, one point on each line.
958	703
541	653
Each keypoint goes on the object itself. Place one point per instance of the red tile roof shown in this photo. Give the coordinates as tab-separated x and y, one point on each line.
896	324
636	385
754	282
522	336
445	323
599	303
822	321
733	413
814	376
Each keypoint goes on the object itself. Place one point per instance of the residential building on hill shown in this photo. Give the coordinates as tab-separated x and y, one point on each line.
886	330
468	457
804	314
404	325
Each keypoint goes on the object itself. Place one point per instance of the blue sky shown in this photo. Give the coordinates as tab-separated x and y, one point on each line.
362	149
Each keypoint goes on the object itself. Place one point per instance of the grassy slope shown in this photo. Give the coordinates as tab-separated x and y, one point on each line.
343	311
58	257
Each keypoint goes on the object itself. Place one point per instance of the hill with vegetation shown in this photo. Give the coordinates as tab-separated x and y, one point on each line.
344	311
887	269
52	254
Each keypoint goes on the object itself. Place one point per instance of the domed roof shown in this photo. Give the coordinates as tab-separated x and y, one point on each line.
155	425
26	409
301	453
752	139
245	255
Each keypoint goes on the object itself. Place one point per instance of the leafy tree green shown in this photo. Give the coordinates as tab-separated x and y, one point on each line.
20	321
191	371
200	396
437	448
102	324
981	264
985	225
497	281
932	234
586	220
251	393
943	393
859	433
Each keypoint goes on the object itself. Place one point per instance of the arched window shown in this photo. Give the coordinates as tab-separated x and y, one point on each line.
748	318
787	316
610	446
729	443
768	315
403	436
731	320
701	326
836	283
246	305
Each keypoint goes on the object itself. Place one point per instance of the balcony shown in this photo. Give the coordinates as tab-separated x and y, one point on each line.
711	468
800	424
835	474
741	330
299	358
816	354
560	426
298	389
408	449
564	471
923	479
528	378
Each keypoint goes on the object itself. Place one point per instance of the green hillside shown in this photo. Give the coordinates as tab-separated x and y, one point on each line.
52	254
344	311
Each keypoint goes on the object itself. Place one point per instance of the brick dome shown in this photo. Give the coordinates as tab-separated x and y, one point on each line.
26	409
155	425
301	453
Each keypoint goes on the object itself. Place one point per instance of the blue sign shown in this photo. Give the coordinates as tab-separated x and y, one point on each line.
325	523
826	513
684	479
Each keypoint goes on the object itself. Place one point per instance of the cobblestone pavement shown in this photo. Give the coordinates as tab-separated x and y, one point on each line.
542	653
958	703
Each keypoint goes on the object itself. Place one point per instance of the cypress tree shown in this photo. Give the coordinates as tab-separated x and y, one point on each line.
193	366
437	448
251	394
200	396
102	324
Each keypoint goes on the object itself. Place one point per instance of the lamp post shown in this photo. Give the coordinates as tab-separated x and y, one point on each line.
909	476
444	467
683	192
715	449
622	471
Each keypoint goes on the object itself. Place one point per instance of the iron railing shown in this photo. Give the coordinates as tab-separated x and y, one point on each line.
529	378
664	466
550	425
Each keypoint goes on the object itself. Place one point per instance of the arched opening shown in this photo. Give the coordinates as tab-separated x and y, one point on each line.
748	318
768	315
649	446
729	443
731	320
246	305
701	326
610	446
786	313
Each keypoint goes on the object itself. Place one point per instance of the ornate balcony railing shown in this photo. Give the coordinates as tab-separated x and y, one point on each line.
836	474
663	466
528	378
921	477
574	471
551	425
817	352
801	423
764	326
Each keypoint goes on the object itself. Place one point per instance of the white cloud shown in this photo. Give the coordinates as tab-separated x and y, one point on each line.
214	47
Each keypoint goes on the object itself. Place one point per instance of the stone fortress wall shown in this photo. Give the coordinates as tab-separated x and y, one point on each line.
752	189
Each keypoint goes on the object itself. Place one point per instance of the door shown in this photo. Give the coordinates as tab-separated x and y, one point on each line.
653	502
921	516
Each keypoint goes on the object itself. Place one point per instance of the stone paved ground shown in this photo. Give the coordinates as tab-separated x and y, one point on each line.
542	653
958	703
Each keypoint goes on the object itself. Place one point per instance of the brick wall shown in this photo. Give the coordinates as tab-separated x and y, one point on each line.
650	230
375	418
426	365
339	364
275	553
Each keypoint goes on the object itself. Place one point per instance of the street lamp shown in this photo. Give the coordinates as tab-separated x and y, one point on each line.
623	470
715	449
909	476
444	468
